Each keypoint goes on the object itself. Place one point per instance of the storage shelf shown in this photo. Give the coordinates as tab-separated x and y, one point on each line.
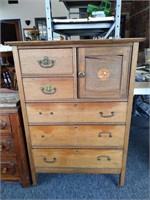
83	27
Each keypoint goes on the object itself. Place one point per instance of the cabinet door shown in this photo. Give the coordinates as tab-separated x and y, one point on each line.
103	72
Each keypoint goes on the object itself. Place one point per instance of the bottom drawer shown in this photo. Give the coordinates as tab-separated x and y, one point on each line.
77	158
9	168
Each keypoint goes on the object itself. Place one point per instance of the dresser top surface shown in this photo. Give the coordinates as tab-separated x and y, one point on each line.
75	42
9	100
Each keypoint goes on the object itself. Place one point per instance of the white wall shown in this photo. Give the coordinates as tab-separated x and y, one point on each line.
29	9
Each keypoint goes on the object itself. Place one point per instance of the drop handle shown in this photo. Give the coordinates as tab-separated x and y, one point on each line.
46	62
81	74
49	161
48	89
99	158
105	133
107	116
2	147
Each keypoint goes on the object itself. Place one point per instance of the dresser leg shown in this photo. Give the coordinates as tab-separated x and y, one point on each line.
26	183
34	179
121	179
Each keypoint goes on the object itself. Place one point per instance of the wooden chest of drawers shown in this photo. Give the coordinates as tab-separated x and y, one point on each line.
14	163
76	99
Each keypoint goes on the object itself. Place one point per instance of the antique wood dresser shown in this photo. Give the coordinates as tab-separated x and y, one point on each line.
14	162
76	99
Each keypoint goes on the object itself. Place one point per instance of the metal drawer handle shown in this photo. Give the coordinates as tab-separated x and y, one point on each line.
48	89
4	170
2	146
46	62
107	116
102	133
3	124
49	161
100	157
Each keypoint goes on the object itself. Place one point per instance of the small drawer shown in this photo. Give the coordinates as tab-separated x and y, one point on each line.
77	112
6	145
77	136
5	124
37	89
77	158
46	61
9	168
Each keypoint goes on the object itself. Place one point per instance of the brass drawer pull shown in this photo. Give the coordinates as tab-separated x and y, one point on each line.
46	62
49	161
3	124
102	133
48	89
2	147
4	170
100	157
5	145
106	116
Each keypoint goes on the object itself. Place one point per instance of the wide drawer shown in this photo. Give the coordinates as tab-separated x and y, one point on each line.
77	158
5	124
77	136
46	61
9	168
37	89
76	112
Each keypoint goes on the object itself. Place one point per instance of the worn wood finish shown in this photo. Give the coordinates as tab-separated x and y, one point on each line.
78	170
129	109
77	158
77	112
62	131
77	136
62	59
39	44
24	113
9	168
48	88
7	145
14	160
5	127
106	71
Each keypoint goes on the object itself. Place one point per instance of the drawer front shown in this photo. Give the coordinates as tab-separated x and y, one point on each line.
77	136
9	168
5	124
76	112
105	72
48	88
46	61
6	145
77	158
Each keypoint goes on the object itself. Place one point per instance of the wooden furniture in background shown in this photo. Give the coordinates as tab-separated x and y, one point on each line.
76	99
8	73
14	162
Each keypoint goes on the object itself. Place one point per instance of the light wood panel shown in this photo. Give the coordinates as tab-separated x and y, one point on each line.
39	89
79	158
76	112
60	61
71	131
77	136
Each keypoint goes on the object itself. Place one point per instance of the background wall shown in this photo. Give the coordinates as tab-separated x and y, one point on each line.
136	12
29	9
